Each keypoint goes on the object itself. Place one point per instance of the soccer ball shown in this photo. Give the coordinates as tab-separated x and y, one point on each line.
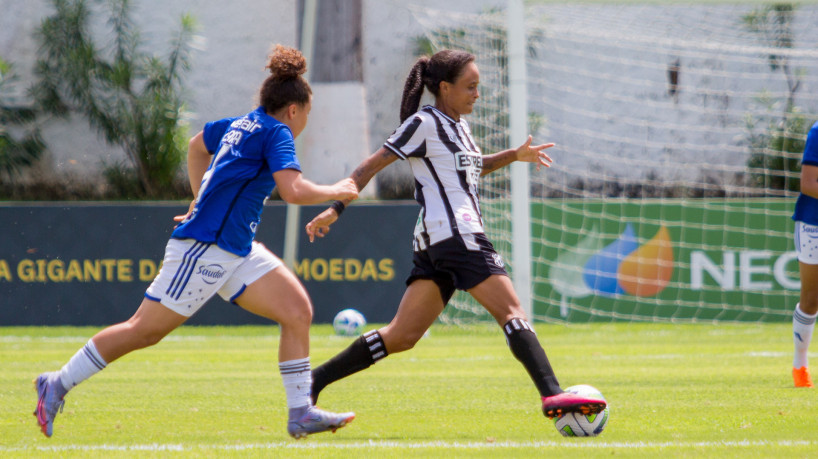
581	425
348	322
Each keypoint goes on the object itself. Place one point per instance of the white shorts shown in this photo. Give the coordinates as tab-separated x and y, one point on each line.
806	243
193	272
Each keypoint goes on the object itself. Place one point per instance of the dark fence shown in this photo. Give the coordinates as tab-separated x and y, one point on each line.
89	264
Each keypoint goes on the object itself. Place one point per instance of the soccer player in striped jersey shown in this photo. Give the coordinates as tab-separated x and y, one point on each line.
806	246
233	166
451	250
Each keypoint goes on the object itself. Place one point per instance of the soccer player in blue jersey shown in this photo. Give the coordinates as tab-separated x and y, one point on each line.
806	246
451	250
233	166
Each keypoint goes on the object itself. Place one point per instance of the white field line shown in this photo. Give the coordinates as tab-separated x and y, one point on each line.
155	447
84	339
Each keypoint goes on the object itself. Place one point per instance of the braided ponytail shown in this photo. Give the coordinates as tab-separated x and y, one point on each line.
413	89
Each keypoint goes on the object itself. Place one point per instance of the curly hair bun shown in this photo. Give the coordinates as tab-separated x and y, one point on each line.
286	63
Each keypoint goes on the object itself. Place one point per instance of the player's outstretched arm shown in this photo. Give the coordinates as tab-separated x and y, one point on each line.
371	166
319	226
525	152
295	189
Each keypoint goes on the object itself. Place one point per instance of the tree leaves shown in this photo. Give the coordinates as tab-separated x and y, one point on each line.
131	98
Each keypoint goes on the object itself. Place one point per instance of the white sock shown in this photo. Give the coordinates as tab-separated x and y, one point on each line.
802	326
297	378
85	363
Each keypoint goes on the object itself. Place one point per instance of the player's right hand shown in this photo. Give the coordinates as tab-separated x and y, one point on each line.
346	189
319	226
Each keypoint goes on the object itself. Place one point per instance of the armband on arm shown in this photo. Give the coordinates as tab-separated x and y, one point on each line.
338	206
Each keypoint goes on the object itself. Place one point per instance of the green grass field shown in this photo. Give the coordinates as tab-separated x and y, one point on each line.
674	391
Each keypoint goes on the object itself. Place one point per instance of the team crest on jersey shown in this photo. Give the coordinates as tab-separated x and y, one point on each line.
498	260
211	273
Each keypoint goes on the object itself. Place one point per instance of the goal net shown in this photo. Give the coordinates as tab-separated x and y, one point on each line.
679	132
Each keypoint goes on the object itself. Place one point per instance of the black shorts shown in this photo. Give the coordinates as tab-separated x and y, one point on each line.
456	264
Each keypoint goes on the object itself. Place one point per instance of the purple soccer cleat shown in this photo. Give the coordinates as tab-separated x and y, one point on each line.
50	394
309	420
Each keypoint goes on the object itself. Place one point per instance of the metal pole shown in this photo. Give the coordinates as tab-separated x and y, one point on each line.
292	228
518	132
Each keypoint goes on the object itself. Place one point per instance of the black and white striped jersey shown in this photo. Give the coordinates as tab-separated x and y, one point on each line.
447	164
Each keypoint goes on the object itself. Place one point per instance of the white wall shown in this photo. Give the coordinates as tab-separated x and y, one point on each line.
226	73
389	53
228	70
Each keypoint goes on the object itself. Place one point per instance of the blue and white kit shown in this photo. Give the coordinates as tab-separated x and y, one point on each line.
806	208
212	250
248	150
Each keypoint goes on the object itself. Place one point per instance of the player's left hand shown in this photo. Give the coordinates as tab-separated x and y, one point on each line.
319	226
181	218
534	153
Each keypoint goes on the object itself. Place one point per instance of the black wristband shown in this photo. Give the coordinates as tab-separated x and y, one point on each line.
338	206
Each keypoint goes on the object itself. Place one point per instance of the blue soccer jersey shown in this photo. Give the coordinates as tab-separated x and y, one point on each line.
806	207
247	151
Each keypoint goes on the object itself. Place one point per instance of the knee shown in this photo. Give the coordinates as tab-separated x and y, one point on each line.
142	337
298	315
303	315
399	342
503	315
150	339
146	338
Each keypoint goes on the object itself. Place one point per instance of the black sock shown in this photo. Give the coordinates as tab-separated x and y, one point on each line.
360	355
527	349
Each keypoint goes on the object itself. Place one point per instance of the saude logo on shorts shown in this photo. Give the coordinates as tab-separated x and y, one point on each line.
498	260
211	273
810	230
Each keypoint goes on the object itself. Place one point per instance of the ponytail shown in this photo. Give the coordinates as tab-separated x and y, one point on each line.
413	89
446	65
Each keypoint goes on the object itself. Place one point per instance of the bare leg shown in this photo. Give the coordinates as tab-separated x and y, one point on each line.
809	288
420	306
146	327
803	324
497	295
279	296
